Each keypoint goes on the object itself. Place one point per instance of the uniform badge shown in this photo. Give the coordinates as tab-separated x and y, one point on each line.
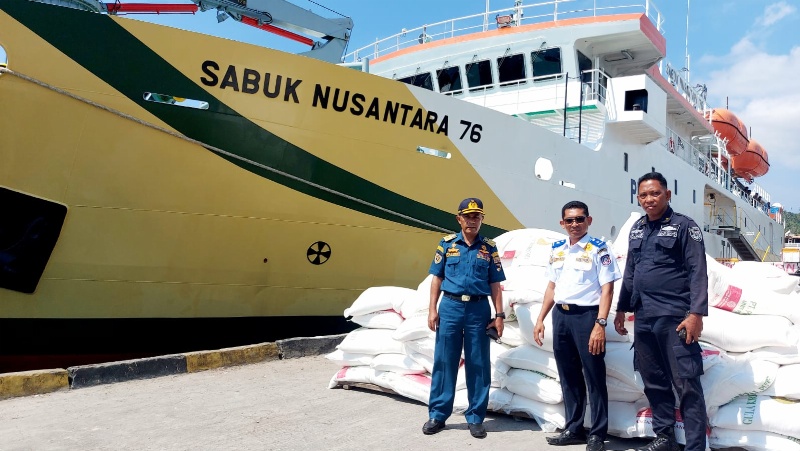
602	251
437	258
636	234
605	260
696	234
588	247
669	230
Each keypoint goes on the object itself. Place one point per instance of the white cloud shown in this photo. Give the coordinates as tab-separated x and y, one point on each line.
761	89
775	12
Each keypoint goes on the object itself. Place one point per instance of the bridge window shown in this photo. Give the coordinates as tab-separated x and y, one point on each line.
421	80
694	196
626	161
546	62
511	69
449	79
479	75
676	187
636	100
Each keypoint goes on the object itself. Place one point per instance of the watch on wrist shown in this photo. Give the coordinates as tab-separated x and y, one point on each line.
601	321
501	315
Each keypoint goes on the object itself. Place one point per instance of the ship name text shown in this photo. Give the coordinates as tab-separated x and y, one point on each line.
276	86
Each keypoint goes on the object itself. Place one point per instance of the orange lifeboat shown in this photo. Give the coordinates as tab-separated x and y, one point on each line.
754	162
731	128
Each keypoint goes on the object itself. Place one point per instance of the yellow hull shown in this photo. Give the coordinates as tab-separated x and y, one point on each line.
159	226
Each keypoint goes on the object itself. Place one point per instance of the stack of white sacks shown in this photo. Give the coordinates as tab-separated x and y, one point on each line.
751	354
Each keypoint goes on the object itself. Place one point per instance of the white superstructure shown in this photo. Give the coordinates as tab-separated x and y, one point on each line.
593	73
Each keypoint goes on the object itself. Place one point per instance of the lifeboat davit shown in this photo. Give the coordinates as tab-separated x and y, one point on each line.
754	162
731	128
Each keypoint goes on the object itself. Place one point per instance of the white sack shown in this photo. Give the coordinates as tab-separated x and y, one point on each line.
396	363
371	341
621	391
731	378
533	385
549	416
766	275
375	299
782	355
787	383
531	357
383	319
740	333
751	440
412	386
631	420
512	336
526	318
347	359
422	359
760	413
356	374
747	294
420	301
414	327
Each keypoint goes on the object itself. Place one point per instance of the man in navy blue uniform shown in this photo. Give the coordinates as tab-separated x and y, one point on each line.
582	273
466	268
666	286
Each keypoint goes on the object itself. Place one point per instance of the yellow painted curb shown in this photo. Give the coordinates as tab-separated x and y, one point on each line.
207	360
35	382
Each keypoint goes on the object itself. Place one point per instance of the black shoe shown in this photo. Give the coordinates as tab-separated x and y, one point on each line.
566	438
432	426
662	442
477	430
595	443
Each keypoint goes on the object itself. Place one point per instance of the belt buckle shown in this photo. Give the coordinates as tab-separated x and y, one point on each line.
465	297
565	307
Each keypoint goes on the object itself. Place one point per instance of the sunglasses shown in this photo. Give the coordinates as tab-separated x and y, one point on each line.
578	219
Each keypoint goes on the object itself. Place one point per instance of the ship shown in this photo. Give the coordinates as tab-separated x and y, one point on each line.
168	191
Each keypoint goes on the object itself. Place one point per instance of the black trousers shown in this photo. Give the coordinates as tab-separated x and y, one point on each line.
579	369
664	361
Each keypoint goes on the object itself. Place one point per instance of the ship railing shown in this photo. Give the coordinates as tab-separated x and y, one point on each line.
700	159
551	11
538	94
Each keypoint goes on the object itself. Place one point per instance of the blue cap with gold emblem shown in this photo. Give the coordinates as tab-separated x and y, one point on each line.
470	205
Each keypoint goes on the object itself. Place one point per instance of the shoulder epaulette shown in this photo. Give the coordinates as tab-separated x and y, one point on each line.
598	242
489	242
559	243
641	220
450	237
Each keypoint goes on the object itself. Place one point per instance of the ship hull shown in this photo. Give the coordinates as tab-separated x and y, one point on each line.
263	213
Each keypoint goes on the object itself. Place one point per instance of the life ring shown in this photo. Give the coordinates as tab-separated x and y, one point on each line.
671	145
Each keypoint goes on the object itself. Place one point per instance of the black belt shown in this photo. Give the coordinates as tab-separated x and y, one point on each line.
572	308
466	297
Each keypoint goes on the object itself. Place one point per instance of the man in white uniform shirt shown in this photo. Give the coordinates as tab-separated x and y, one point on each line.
582	272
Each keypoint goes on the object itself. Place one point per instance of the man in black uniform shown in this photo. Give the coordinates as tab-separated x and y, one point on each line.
665	284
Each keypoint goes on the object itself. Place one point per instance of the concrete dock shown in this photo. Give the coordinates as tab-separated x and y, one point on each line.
278	404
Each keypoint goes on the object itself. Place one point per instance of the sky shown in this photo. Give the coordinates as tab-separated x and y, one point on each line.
747	52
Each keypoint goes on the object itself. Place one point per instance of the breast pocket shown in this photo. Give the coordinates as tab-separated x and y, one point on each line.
451	267
635	248
481	269
668	252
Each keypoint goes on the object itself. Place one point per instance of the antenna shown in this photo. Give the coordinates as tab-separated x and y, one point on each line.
686	61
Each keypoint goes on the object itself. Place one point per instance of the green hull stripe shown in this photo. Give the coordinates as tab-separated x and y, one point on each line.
100	45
